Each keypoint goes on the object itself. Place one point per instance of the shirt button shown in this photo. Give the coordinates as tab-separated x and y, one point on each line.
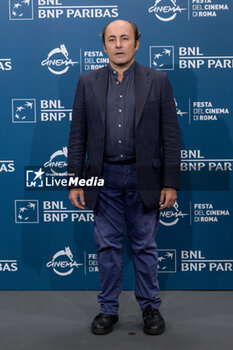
120	110
114	72
119	141
120	96
122	156
119	125
117	82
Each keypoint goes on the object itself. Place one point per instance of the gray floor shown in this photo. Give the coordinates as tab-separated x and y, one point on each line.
61	321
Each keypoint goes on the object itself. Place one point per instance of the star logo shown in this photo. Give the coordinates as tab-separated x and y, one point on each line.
26	211
167	260
34	179
162	57
38	174
23	110
20	10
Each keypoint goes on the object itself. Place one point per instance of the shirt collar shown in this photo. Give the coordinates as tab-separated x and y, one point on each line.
129	71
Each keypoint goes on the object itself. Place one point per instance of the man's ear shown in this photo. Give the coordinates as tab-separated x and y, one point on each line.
137	45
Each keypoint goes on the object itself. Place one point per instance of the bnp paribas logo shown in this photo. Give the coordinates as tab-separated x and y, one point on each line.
20	9
167	260
23	110
26	211
162	57
166	10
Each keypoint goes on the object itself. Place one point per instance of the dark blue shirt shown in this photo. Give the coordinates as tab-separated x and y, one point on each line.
120	116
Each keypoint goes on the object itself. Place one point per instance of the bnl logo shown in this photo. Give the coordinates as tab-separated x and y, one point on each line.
35	179
23	110
26	211
20	9
162	57
167	260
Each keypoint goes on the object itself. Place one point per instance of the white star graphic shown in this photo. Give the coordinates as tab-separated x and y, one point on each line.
38	174
31	205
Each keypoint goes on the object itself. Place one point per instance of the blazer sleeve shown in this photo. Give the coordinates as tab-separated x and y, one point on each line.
170	138
78	135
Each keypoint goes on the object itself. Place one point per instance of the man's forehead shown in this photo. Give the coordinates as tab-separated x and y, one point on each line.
119	28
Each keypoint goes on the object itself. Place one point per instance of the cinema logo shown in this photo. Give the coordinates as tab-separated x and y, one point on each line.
207	8
63	262
57	211
92	60
179	112
193	160
58	162
206	212
5	64
166	10
193	58
194	261
171	216
58	61
58	9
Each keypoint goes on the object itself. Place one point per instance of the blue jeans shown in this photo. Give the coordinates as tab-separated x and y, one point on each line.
120	210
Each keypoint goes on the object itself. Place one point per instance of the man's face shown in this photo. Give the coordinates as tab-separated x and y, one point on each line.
120	43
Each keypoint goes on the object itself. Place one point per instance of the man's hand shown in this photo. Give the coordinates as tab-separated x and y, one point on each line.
168	197
76	193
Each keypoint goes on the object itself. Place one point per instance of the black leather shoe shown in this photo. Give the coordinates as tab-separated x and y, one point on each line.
103	324
154	323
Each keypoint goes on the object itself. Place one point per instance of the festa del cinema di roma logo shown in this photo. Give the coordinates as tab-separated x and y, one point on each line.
57	162
166	10
58	61
63	263
171	216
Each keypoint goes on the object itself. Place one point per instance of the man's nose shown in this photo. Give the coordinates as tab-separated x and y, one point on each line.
118	42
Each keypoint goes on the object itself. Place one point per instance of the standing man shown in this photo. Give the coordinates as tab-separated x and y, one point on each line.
124	118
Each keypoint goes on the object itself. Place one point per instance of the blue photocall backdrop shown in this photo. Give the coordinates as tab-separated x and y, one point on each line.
46	243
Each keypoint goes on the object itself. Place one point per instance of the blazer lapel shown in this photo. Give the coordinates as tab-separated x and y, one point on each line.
142	88
100	84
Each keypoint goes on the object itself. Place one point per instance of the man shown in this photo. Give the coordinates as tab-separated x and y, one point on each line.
125	114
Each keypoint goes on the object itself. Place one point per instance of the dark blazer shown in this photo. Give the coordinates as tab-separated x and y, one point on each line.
156	132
